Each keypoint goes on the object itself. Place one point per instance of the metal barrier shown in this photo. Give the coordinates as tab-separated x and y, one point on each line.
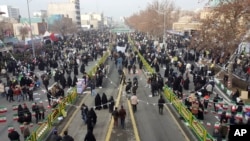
194	124
40	132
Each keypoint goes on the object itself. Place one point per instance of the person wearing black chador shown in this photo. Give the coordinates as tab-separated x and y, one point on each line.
63	81
98	102
20	114
74	81
69	81
104	101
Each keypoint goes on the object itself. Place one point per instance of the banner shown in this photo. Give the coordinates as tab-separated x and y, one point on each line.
121	49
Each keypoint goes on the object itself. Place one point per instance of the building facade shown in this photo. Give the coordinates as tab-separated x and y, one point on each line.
70	9
40	13
92	20
186	24
10	12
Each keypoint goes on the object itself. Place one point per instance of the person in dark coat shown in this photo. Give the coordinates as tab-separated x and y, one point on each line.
63	81
20	114
69	81
74	81
200	115
98	102
161	103
67	137
35	109
166	73
82	68
76	69
93	116
41	66
27	114
104	101
89	136
111	104
14	136
186	84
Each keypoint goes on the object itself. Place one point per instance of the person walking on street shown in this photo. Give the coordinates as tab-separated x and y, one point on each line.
67	137
25	131
11	94
122	115
134	102
35	109
215	101
115	115
55	136
14	135
89	136
161	103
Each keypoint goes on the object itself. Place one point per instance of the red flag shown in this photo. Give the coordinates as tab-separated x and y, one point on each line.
53	37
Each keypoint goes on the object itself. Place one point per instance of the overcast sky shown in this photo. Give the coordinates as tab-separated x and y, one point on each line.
112	8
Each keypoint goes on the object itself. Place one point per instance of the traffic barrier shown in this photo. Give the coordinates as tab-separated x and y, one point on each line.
41	131
193	123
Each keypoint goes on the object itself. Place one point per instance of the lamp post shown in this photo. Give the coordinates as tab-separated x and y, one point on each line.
31	34
164	27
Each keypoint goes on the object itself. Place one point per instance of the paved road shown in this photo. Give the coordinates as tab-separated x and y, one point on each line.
39	96
210	117
151	125
77	128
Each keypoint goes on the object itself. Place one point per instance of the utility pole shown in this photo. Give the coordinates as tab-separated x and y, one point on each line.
31	34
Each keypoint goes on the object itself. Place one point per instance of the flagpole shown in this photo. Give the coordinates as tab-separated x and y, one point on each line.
31	34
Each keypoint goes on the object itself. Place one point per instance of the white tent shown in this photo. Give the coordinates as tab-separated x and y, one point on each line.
46	34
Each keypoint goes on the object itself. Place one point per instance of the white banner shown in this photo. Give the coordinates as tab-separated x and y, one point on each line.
122	49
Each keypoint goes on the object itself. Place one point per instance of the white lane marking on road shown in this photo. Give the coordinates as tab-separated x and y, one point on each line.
38	98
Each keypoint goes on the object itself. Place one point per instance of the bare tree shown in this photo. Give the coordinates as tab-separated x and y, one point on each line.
64	26
151	20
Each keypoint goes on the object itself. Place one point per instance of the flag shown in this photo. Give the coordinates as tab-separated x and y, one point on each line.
219	112
11	128
14	107
33	114
21	127
15	117
40	123
3	119
3	109
53	37
228	114
217	125
225	106
239	116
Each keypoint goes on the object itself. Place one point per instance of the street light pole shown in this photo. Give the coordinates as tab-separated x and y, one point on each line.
164	29
31	34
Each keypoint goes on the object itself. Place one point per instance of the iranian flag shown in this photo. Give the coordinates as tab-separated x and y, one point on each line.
15	117
3	109
31	124
3	119
217	125
11	128
21	127
14	107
